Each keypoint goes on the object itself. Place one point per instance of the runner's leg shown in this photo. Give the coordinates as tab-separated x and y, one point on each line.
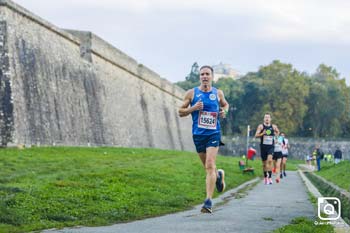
284	161
269	167
202	156
210	168
278	163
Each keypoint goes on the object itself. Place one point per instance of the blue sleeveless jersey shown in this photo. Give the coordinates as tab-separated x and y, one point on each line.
206	121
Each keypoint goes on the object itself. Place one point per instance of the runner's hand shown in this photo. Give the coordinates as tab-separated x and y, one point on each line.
222	113
198	106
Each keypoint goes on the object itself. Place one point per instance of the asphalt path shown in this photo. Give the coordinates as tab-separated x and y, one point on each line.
251	207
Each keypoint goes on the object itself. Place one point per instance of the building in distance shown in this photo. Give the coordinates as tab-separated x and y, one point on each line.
224	71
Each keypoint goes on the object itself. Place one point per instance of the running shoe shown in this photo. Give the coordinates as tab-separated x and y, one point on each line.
220	181
277	180
270	181
266	180
207	207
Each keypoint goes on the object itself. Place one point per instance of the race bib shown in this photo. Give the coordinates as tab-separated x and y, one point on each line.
207	120
278	147
268	140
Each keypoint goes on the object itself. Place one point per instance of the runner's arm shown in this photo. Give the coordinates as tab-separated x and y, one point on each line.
258	132
184	110
224	106
275	128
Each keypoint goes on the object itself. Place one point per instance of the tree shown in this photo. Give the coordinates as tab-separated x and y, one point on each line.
232	90
192	79
278	89
316	105
194	74
328	104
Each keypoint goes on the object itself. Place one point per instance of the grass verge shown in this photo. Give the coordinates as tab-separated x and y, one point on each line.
292	164
55	187
339	175
305	225
336	173
327	191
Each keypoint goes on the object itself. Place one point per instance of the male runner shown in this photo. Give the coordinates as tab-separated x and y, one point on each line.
207	104
267	132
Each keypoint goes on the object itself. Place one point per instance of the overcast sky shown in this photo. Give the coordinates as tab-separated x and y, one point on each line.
168	36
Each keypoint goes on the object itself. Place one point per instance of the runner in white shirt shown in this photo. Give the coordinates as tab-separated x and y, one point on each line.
285	147
277	156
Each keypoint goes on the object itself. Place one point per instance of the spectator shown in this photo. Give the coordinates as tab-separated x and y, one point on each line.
328	158
337	155
318	153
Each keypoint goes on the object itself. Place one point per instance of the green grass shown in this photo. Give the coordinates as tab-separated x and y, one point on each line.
43	188
327	191
336	173
292	164
304	225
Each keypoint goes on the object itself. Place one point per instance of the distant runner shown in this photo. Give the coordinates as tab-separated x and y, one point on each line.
267	132
277	156
285	153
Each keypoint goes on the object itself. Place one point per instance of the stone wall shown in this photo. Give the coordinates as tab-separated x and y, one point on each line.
72	88
6	106
299	147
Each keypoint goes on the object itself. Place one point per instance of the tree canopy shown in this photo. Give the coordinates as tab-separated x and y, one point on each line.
301	104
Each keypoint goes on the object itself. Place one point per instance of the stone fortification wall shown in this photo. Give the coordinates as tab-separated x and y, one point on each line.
72	88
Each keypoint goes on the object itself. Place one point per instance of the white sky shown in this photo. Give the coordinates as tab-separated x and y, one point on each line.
169	36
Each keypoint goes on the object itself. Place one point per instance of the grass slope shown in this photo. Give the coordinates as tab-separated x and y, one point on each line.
304	225
337	173
43	188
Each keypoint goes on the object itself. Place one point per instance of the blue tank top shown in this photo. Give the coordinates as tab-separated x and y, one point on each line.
206	121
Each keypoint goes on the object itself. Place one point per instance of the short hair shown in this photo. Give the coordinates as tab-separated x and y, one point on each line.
209	67
267	113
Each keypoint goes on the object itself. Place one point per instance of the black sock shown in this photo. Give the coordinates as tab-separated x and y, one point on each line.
270	174
265	174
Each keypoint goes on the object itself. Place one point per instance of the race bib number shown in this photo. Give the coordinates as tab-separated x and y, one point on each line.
207	120
278	147
268	140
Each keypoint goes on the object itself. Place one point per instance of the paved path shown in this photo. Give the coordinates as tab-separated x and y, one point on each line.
262	209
